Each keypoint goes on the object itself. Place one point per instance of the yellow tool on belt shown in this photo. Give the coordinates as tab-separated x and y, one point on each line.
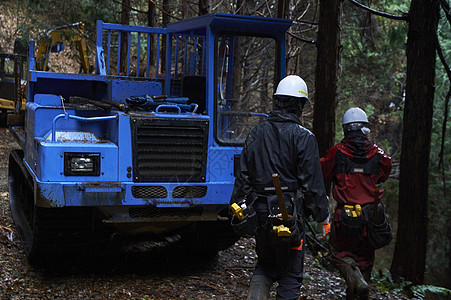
281	230
353	210
238	210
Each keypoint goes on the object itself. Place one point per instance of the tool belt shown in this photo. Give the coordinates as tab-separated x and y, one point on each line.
294	224
379	231
354	222
246	224
349	220
293	239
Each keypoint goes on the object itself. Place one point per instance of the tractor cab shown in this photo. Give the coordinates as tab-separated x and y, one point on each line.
232	65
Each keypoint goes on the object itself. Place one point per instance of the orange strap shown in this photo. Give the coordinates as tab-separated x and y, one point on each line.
298	247
326	230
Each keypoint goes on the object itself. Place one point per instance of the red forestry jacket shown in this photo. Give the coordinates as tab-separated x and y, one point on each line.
355	166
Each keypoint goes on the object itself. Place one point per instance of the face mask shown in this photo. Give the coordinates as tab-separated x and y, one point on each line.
365	130
357	126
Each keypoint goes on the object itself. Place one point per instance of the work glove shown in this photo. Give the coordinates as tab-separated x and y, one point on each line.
324	229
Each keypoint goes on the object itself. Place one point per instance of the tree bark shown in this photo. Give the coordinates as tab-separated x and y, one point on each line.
409	259
125	20
204	7
241	7
238	76
151	17
328	44
165	19
282	8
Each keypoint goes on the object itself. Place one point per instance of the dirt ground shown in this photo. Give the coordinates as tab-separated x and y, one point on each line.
153	274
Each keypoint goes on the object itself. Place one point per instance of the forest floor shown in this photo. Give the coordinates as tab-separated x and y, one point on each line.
143	275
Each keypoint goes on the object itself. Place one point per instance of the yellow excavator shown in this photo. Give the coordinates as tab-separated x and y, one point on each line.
12	84
12	75
53	41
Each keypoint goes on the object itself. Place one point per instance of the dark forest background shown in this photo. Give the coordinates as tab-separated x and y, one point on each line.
371	72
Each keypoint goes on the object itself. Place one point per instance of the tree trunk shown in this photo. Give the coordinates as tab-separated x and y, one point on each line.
328	43
409	259
165	19
185	9
241	8
204	7
125	20
151	17
238	75
282	8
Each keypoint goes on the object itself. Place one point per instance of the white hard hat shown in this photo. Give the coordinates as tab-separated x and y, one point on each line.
354	115
293	86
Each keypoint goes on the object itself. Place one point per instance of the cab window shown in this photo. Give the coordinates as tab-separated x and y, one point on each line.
246	72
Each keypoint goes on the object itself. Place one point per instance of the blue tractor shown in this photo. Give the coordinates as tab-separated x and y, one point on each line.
147	146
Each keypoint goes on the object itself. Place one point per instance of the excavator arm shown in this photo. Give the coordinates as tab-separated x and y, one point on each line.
53	39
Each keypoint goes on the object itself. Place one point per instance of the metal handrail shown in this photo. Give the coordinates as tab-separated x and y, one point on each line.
168	106
67	117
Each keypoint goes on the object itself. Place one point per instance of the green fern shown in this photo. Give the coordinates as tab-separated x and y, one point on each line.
419	291
385	282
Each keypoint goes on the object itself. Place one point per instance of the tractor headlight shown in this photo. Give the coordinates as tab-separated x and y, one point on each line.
81	164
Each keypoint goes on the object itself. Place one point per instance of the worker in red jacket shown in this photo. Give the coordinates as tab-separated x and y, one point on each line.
355	166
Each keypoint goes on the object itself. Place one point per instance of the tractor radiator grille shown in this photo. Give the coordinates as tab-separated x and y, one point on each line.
189	192
149	192
158	212
170	150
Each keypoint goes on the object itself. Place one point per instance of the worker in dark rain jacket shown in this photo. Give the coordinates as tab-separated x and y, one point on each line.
355	166
281	145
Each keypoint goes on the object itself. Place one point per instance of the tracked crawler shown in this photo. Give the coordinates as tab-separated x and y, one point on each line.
146	148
